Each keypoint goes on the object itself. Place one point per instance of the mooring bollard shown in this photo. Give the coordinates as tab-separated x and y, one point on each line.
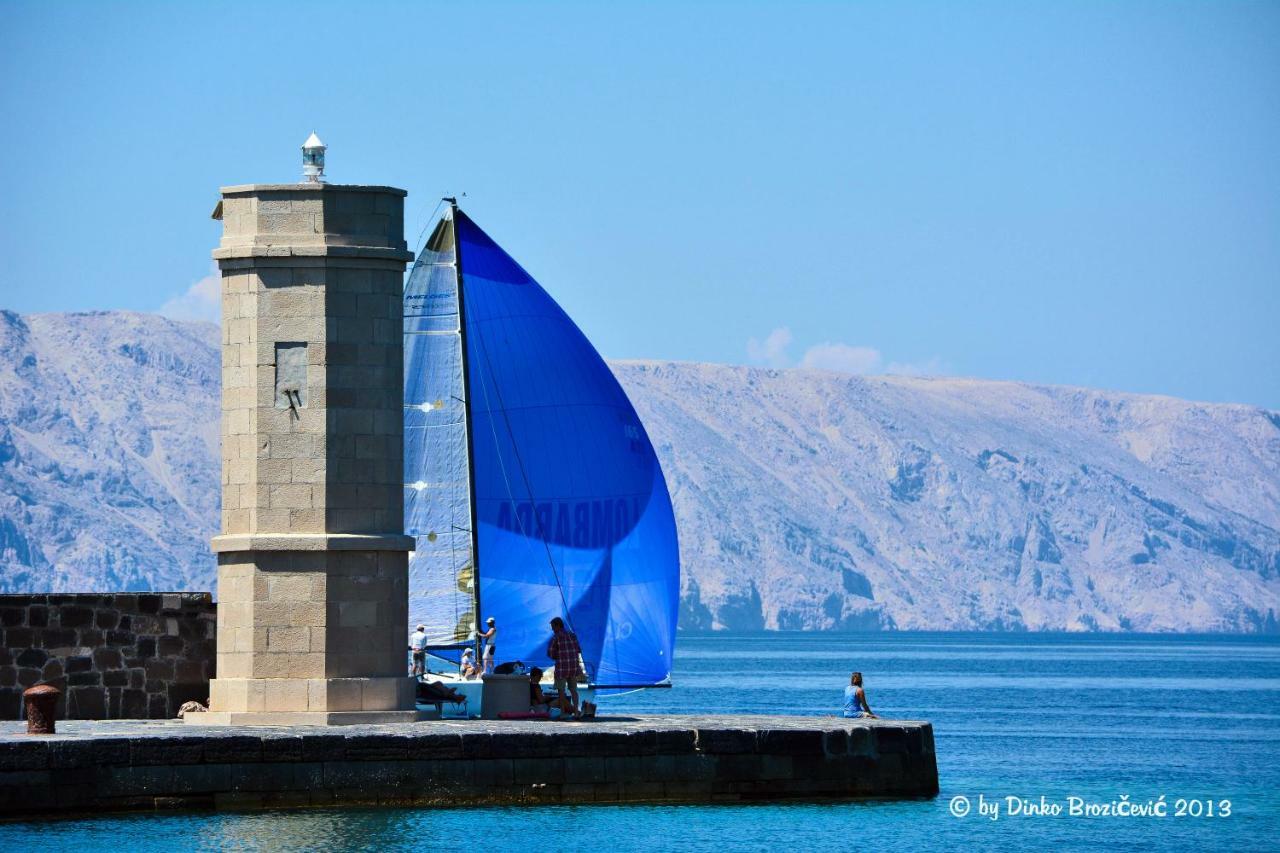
42	706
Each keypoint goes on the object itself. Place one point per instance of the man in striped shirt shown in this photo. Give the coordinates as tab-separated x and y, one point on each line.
565	652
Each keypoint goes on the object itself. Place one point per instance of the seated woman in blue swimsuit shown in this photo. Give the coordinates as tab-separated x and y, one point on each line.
855	700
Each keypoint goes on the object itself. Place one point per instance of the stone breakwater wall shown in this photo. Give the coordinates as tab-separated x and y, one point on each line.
113	655
150	765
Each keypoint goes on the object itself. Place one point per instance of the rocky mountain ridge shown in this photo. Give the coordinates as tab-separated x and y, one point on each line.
805	499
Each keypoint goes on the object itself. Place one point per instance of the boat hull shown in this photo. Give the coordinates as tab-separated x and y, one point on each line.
473	690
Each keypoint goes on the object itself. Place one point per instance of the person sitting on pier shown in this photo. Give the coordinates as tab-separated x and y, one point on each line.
467	666
541	701
565	652
855	699
418	646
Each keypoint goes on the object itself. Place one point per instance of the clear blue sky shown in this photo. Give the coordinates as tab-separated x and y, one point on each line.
1080	193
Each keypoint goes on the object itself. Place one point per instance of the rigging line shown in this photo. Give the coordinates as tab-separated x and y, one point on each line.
455	571
484	388
453	568
617	658
452	578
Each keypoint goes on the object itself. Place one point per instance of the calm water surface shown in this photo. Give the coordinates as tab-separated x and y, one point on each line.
1028	716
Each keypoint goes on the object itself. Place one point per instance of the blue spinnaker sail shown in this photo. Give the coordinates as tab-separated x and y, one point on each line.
574	518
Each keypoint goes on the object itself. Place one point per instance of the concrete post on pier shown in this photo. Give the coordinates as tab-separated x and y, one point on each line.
312	559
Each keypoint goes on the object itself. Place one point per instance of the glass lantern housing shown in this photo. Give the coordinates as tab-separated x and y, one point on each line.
313	159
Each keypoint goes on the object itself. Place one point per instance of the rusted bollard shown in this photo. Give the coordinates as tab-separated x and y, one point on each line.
42	706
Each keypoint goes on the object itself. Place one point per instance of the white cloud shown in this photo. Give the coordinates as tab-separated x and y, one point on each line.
841	358
773	350
202	301
932	367
835	356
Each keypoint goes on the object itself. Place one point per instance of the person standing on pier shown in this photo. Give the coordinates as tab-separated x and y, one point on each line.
418	647
565	652
490	638
855	699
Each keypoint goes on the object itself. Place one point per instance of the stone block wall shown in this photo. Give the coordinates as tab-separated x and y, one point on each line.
312	359
311	631
87	767
332	461
113	655
319	214
312	560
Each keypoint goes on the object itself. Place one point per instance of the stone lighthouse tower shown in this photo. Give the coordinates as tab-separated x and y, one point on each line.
312	560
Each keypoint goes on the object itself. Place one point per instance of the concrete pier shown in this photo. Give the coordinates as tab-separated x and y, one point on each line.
148	765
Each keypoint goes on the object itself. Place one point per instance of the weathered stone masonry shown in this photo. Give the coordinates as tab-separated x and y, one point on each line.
148	765
312	560
113	655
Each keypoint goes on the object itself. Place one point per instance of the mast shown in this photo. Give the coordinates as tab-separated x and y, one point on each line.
466	408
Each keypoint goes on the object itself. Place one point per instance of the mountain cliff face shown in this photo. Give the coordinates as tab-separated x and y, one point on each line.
804	499
109	476
816	500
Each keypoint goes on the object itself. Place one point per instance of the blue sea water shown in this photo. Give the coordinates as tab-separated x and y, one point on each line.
1096	717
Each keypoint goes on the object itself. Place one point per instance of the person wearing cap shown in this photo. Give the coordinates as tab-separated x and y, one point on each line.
490	638
418	646
467	667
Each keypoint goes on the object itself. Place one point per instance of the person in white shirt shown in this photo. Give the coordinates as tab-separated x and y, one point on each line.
467	667
490	638
418	646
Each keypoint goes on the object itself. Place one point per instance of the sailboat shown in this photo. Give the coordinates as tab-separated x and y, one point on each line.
531	487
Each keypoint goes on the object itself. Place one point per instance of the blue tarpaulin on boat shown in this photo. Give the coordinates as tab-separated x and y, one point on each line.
574	518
